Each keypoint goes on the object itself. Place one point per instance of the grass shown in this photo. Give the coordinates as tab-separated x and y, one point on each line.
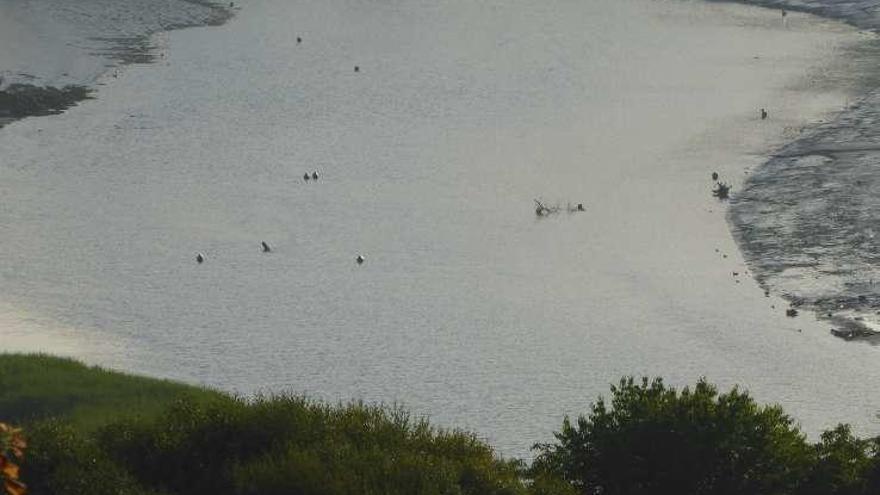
37	386
93	431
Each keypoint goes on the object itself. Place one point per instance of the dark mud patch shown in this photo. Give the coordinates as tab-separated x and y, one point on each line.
100	23
808	221
127	49
23	100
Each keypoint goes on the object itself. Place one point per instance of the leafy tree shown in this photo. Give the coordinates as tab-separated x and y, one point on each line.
843	464
652	439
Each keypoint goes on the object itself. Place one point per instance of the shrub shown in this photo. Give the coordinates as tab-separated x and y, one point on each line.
289	445
62	461
653	439
844	465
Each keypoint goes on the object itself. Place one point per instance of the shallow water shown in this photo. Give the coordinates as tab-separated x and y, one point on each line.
468	307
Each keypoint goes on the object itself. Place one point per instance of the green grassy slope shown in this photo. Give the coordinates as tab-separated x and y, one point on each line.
39	386
93	431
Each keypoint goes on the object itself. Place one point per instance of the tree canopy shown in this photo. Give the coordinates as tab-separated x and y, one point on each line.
653	439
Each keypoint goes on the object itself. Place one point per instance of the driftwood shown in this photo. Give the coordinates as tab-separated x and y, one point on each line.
543	210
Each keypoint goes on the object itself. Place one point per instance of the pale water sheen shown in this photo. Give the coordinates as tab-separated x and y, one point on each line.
468	308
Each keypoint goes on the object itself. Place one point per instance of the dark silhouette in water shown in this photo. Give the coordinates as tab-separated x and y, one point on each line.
714	175
199	258
784	13
299	40
266	248
721	191
315	175
764	114
542	210
357	68
359	259
580	207
306	177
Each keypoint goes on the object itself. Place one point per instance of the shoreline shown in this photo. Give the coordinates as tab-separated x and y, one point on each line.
31	89
825	266
853	13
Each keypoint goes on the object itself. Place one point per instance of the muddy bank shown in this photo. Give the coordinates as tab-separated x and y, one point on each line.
23	100
863	14
808	220
58	51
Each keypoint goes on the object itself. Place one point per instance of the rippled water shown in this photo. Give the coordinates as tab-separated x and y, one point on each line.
468	307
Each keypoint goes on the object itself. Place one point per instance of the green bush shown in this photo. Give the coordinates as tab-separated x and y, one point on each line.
653	439
91	431
844	465
289	445
62	461
100	432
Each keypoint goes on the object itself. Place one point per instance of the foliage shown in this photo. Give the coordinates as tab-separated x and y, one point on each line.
100	432
280	445
844	465
653	439
64	461
92	431
285	445
12	446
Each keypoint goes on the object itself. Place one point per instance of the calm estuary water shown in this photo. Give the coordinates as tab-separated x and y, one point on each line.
468	308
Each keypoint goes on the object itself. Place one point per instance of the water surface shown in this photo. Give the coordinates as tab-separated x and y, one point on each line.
469	308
